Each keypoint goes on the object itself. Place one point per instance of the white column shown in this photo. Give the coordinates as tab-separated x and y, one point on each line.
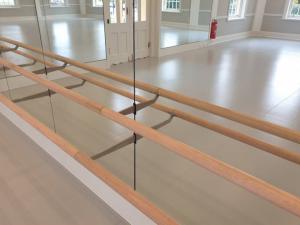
155	22
259	15
194	12
38	9
214	10
82	7
42	24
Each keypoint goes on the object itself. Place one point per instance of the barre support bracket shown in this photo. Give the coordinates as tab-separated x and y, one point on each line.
137	107
50	69
130	140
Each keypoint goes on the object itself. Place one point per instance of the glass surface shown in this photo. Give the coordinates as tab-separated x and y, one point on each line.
123	11
143	10
7	3
184	22
26	93
294	9
76	37
180	188
136	10
113	11
73	30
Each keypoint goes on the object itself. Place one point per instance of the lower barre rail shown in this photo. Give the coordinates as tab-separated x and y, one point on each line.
133	197
278	197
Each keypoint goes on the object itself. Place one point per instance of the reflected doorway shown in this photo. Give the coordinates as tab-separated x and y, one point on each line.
119	26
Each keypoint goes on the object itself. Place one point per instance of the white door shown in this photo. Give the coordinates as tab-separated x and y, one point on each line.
119	29
118	36
142	44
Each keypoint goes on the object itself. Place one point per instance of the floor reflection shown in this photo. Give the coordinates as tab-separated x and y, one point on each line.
82	39
172	36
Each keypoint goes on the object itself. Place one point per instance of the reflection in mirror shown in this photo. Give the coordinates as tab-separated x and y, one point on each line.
18	21
113	11
73	28
184	21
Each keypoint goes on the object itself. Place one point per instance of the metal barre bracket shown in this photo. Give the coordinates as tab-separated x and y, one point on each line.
6	49
50	69
137	107
130	140
28	64
25	64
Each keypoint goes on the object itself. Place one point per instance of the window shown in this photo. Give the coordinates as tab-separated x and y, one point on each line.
171	5
58	3
97	3
236	9
8	3
293	10
143	10
113	11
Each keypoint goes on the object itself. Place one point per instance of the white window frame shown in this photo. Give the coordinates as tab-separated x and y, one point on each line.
16	5
242	11
95	5
53	5
288	9
166	9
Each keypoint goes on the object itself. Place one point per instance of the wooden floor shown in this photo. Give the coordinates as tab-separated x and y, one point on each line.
35	189
255	76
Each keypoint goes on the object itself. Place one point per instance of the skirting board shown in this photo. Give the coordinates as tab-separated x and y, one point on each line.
203	44
49	17
120	205
276	35
185	26
226	38
230	37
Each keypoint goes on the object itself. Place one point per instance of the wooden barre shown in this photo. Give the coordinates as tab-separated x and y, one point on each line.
262	125
146	207
257	186
261	145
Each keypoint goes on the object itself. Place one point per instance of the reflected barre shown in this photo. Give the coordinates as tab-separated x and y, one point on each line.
195	103
263	189
260	145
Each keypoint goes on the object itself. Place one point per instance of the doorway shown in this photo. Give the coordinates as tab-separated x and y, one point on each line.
119	29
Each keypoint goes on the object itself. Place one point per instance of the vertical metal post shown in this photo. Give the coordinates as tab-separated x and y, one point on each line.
134	93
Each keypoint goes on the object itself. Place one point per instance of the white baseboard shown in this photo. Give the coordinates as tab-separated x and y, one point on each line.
203	44
16	18
95	16
49	17
231	37
185	26
113	199
276	35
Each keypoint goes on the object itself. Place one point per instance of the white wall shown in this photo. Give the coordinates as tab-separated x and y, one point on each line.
179	17
273	19
90	10
226	27
73	7
25	8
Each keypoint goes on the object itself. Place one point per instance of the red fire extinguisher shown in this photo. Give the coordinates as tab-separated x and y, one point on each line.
213	29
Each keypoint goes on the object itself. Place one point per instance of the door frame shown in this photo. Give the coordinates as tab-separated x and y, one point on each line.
153	17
